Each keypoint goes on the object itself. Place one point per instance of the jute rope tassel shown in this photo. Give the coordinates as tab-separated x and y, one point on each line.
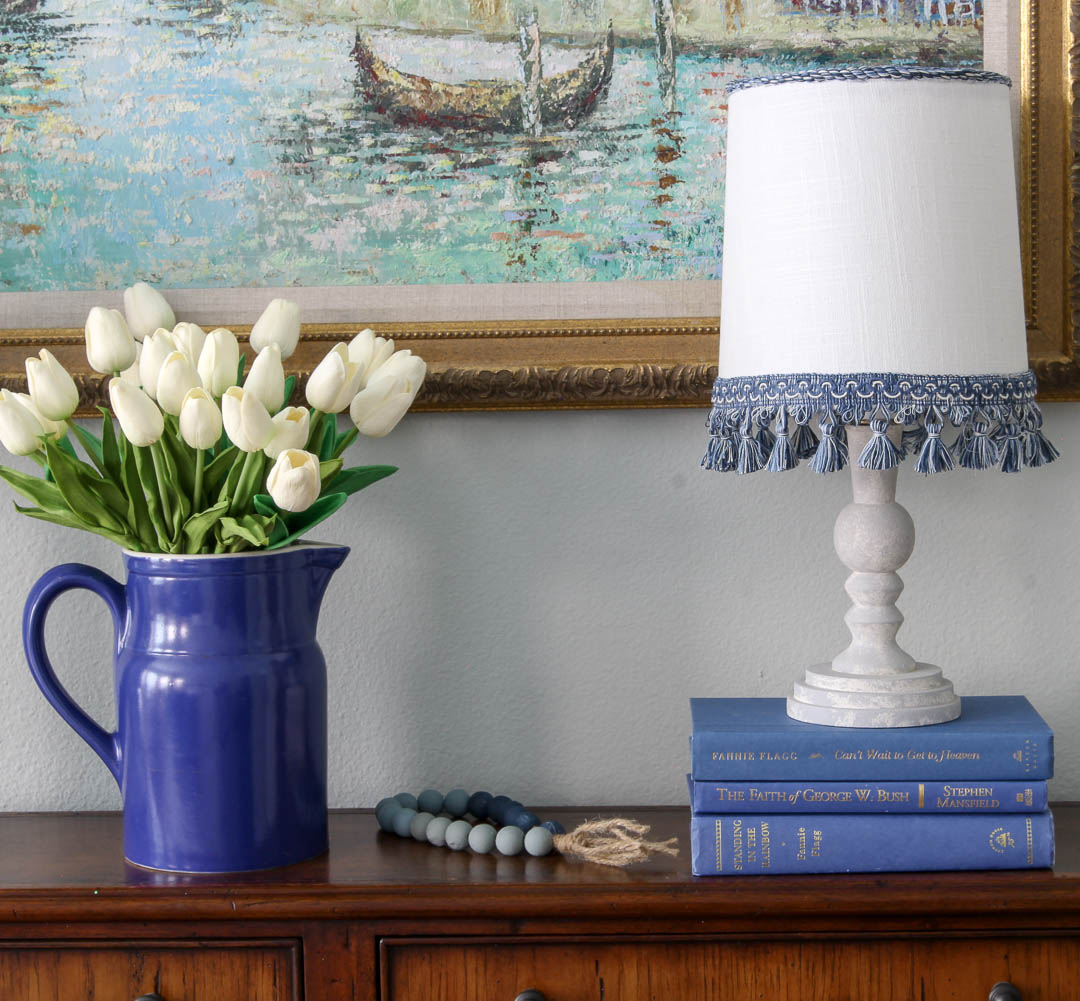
614	841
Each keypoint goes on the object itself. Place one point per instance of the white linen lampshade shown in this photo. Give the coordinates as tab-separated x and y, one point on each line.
872	280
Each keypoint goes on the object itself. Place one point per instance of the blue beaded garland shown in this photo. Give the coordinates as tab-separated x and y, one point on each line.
497	808
384	812
430	801
525	819
554	826
407	800
456	803
402	820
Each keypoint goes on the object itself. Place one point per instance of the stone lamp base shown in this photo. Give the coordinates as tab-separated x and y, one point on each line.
873	683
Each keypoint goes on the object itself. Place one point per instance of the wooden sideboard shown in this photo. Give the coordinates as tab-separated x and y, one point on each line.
384	918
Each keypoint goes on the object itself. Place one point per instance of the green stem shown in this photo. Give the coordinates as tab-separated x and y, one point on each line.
162	485
237	502
315	431
197	502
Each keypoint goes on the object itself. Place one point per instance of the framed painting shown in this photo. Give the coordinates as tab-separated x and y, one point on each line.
528	195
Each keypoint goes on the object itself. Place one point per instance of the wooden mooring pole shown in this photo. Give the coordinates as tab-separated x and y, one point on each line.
664	24
531	74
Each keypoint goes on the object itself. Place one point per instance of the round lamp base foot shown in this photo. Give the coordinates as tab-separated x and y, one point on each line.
917	698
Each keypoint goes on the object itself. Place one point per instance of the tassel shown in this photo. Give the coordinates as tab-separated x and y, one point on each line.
958	446
711	459
1037	450
765	438
806	442
911	441
613	841
880	452
750	459
728	452
979	450
831	454
1012	449
933	457
783	455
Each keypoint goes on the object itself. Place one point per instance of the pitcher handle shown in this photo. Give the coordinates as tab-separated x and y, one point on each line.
49	587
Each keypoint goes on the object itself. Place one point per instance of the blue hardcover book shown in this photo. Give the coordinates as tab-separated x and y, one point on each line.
956	796
763	844
995	737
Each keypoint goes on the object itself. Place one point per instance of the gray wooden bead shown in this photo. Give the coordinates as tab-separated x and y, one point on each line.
418	825
402	820
430	801
385	812
538	841
457	834
456	802
436	830
482	838
509	840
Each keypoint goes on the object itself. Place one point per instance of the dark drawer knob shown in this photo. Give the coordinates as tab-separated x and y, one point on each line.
1004	991
531	995
149	997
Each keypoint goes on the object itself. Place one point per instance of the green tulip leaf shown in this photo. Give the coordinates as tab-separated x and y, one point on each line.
329	438
349	481
327	471
110	451
201	524
138	513
217	470
290	385
144	464
44	494
265	506
344	441
91	446
304	521
183	460
251	528
249	482
240	371
95	500
70	520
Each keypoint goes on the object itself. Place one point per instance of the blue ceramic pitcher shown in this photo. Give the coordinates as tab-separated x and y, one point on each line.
220	746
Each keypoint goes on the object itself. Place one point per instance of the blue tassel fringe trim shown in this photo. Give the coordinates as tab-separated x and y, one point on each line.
764	422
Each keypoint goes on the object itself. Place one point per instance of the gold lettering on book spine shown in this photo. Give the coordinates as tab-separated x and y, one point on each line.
922	795
1030	841
719	848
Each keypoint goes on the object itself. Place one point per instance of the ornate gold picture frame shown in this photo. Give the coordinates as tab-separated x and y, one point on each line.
651	356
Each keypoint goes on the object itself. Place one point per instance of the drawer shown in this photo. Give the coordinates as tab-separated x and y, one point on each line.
656	969
176	971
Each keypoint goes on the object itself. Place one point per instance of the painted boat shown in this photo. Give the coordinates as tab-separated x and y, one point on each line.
488	105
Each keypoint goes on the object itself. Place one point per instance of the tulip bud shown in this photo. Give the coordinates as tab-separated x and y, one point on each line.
139	417
155	349
334	382
294	480
176	377
267	378
370	351
109	345
189	338
200	419
280	325
20	430
290	431
146	310
54	430
378	407
219	361
52	389
131	373
247	422
404	363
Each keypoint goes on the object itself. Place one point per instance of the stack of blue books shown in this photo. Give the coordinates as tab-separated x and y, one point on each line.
769	794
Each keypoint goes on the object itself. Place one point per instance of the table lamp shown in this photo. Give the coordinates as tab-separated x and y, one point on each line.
872	286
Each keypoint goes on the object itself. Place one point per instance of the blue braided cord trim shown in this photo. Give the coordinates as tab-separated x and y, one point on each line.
1000	423
857	395
872	73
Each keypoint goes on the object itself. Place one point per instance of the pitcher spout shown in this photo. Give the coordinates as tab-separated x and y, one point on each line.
323	561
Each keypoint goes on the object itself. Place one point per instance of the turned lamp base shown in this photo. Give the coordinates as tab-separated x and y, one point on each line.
873	683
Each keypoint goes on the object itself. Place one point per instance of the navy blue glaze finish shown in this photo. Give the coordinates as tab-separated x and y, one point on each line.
220	749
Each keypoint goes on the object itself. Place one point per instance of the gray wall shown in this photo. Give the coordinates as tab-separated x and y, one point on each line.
533	598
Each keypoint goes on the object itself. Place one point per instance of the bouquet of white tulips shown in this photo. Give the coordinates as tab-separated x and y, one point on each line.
193	457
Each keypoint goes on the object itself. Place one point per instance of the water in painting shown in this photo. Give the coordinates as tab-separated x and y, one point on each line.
232	143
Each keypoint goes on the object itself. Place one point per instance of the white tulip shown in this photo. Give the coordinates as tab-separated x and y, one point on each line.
294	480
200	419
109	345
20	430
176	377
146	310
403	363
247	422
378	407
131	373
267	378
139	417
219	361
335	381
155	349
55	430
189	338
290	431
280	325
370	351
52	389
